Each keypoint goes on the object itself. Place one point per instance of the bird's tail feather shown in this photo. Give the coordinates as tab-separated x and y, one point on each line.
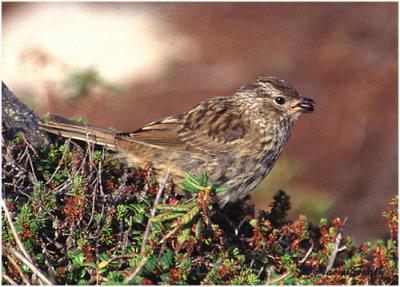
70	129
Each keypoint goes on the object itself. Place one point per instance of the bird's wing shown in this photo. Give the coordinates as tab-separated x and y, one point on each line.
210	127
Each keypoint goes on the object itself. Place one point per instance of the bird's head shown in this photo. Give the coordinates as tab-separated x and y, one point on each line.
273	96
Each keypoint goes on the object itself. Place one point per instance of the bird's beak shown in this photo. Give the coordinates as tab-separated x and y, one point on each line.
304	105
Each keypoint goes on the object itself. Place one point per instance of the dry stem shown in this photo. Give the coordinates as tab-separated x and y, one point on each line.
137	270
153	212
31	266
332	258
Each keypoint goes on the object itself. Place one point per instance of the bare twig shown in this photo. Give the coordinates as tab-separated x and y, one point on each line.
283	276
13	230
65	185
153	212
245	219
331	259
60	162
126	235
39	203
16	165
32	168
137	270
172	232
84	158
270	270
29	145
23	155
15	234
96	249
30	265
93	208
122	256
307	254
9	280
51	271
98	181
99	171
19	270
260	271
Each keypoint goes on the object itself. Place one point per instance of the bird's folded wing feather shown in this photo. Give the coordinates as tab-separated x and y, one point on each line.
210	127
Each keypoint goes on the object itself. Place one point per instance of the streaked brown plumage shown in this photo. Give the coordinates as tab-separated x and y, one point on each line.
237	139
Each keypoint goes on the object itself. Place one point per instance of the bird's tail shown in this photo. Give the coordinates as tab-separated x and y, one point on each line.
70	129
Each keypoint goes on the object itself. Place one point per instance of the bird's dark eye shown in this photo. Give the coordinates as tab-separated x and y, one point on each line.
280	100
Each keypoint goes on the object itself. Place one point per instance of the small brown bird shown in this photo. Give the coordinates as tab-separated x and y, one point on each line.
236	139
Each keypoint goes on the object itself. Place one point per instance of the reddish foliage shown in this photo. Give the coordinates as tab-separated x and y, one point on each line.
74	207
146	281
26	233
88	251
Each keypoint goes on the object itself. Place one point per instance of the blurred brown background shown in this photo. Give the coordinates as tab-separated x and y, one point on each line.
124	65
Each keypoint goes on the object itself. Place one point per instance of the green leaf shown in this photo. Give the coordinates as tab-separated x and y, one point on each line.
166	260
185	219
204	179
165	216
176	208
198	228
218	189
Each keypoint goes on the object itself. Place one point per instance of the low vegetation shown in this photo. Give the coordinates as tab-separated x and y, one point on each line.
77	215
